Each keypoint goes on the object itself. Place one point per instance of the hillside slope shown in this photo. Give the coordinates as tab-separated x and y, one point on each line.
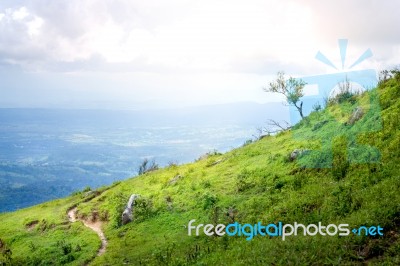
348	174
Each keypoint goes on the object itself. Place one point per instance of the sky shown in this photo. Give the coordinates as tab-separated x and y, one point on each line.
151	54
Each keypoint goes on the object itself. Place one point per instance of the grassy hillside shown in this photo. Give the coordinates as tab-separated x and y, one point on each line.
348	174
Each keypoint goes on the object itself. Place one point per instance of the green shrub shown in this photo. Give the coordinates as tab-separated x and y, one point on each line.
117	203
317	107
143	209
147	166
209	201
5	253
345	94
319	125
247	142
65	247
279	184
343	200
341	163
86	189
206	184
243	181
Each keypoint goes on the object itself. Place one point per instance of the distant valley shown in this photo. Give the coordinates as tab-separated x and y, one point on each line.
49	153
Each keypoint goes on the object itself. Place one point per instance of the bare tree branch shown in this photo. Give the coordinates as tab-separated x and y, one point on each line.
274	123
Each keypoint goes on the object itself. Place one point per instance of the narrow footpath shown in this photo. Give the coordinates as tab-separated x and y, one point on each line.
95	226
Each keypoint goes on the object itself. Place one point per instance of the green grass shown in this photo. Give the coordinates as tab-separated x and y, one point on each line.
39	235
256	182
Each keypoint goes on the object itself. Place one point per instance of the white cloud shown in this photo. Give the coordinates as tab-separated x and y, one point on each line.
206	35
194	49
34	26
20	13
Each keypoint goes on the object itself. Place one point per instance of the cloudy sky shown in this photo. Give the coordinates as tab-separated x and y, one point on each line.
156	54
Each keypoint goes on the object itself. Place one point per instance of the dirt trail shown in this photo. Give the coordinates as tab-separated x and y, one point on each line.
95	226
